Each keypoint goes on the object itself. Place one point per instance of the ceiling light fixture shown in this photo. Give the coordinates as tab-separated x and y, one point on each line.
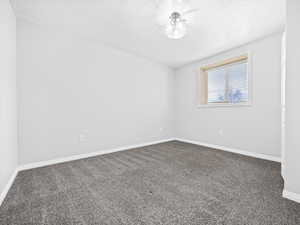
176	28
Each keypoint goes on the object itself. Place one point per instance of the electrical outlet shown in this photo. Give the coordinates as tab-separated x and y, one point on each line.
220	132
83	138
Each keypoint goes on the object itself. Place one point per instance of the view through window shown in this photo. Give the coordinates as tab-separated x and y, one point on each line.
226	82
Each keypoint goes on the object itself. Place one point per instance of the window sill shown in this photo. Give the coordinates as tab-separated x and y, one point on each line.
225	105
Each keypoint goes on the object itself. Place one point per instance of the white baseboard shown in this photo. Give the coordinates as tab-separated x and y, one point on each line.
291	195
87	155
238	151
107	151
8	186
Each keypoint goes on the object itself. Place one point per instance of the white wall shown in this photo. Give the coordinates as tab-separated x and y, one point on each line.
256	128
292	150
70	86
8	112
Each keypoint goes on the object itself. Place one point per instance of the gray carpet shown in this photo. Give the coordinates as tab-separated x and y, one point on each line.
170	183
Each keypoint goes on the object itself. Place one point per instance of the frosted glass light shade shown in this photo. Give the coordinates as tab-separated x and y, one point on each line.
176	31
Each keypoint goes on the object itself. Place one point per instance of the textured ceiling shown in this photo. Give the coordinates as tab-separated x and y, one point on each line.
136	25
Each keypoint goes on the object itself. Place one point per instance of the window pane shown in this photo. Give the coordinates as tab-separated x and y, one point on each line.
237	83
216	86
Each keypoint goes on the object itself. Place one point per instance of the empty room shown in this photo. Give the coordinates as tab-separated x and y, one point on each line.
149	112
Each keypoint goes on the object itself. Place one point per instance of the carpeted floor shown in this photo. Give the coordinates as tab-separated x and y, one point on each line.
170	183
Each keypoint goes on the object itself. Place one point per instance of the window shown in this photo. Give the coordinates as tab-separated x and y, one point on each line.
225	83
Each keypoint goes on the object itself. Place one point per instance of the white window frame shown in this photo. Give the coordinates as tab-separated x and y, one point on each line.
203	82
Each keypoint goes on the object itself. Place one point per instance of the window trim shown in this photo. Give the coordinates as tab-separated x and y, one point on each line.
203	81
